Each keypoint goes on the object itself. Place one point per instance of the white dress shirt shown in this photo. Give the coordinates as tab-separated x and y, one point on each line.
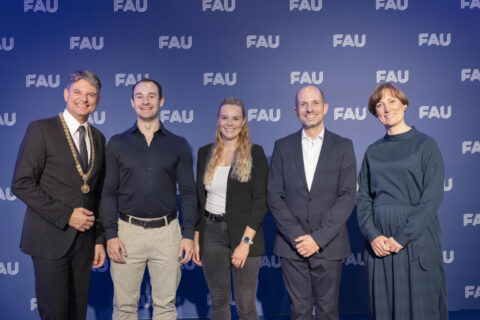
73	126
311	152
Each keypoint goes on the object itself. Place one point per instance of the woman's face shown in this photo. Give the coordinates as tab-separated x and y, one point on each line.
390	110
230	121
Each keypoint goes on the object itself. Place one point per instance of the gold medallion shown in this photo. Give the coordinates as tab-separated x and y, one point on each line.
85	188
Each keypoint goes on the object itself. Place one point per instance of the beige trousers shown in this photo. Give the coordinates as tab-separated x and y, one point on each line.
158	249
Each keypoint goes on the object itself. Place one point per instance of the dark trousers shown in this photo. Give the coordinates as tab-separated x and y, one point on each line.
216	260
309	287
62	285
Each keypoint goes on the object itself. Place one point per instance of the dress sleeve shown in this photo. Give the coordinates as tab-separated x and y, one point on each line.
426	210
365	203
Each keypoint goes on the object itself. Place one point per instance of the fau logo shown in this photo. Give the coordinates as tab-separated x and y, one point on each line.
7	194
472	291
42	80
4	121
7	46
96	119
392	76
130	6
174	42
349	113
448	259
261	41
448	184
433	39
355	259
219	78
435	112
33	304
263	115
391	4
50	6
6	268
86	43
218	5
470	74
470	218
129	79
349	40
176	116
470	146
270	262
306	77
470	5
308	5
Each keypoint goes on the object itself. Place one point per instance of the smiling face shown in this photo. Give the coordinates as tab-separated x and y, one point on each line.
391	111
146	101
310	109
82	99
230	121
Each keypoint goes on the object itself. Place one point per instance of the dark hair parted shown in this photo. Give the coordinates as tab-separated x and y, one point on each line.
86	75
377	93
160	94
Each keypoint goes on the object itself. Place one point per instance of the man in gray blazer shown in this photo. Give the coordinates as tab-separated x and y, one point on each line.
311	194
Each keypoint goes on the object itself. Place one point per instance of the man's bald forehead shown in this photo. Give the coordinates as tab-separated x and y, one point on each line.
309	87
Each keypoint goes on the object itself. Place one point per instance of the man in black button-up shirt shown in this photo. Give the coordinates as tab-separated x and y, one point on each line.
139	207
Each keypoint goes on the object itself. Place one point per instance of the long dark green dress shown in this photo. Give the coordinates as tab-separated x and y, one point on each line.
400	190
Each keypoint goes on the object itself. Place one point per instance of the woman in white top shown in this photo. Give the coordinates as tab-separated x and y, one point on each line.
231	184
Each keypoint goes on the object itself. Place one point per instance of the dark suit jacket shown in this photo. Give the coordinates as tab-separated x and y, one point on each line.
47	181
246	202
323	211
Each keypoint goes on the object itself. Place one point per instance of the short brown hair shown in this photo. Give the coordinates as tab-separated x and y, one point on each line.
376	96
86	75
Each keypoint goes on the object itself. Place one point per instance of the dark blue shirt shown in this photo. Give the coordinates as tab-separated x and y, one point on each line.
141	180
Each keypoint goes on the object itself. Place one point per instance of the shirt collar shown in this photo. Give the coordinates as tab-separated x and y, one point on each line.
319	137
73	123
135	129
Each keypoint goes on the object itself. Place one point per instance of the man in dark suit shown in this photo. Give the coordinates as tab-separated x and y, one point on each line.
311	194
59	175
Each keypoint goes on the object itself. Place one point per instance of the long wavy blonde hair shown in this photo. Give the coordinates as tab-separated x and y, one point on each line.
242	158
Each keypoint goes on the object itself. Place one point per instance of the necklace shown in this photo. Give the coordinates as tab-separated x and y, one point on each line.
85	188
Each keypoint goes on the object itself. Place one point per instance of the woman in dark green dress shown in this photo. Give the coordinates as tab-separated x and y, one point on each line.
400	190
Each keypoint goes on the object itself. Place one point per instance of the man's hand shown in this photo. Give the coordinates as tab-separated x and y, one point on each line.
394	245
240	254
306	246
81	219
381	246
116	250
196	249
186	250
99	256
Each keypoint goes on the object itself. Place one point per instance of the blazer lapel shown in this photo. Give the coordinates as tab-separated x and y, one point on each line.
323	159
298	156
67	151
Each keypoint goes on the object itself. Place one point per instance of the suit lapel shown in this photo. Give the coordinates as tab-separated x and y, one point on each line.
60	132
296	142
323	159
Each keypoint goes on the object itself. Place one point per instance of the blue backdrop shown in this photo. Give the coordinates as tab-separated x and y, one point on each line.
261	51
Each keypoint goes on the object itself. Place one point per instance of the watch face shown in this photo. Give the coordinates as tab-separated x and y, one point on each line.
246	239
